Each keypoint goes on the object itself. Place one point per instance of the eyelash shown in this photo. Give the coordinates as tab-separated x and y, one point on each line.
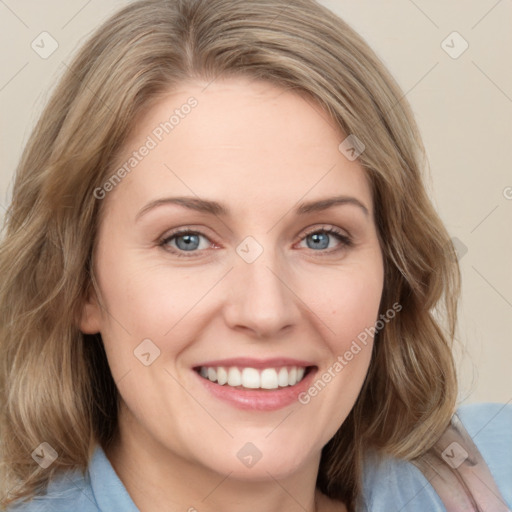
346	241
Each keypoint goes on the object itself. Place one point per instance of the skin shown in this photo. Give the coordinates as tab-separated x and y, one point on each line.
260	150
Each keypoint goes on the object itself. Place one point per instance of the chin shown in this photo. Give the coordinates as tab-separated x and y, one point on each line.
249	463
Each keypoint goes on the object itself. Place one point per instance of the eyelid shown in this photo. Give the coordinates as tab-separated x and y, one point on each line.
328	228
166	238
344	238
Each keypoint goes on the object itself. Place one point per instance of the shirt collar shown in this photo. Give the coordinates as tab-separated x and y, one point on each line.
108	490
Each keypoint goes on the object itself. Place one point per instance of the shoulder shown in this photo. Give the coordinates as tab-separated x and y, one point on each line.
67	491
485	420
399	483
490	427
396	484
96	490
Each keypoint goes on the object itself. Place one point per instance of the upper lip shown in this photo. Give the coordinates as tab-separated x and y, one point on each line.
248	362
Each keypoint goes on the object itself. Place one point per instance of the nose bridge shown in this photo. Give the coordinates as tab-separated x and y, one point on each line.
261	299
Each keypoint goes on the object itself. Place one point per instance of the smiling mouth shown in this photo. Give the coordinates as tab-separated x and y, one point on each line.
253	378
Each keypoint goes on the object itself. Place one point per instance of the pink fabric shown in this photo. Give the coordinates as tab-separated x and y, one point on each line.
459	474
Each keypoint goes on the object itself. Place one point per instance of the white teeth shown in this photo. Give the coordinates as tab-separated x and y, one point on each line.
292	376
212	374
282	378
269	378
251	378
222	375
234	377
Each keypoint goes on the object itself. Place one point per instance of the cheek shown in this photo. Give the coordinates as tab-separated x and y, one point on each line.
149	298
357	307
350	302
148	301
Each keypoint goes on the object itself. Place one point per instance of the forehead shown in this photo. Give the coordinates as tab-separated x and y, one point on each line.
250	143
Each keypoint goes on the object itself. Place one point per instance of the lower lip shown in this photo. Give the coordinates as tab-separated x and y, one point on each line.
258	400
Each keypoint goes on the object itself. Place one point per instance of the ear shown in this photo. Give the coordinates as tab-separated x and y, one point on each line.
90	319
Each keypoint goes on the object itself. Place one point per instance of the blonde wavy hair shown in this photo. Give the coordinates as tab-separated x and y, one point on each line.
55	383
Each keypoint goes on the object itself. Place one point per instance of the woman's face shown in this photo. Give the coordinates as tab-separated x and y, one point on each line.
276	277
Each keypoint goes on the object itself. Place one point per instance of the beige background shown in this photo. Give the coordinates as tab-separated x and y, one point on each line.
463	106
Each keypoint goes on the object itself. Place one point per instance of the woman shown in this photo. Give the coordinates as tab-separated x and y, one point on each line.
231	290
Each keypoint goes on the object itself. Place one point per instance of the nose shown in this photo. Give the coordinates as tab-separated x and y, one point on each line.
261	299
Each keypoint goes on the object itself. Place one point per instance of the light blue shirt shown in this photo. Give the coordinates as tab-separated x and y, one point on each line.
390	485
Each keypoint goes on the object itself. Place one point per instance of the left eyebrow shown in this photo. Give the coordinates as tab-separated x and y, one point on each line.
324	204
215	208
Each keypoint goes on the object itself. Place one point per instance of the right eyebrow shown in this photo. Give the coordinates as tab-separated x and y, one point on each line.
216	208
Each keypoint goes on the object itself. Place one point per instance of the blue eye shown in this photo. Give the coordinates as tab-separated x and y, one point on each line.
320	239
185	241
